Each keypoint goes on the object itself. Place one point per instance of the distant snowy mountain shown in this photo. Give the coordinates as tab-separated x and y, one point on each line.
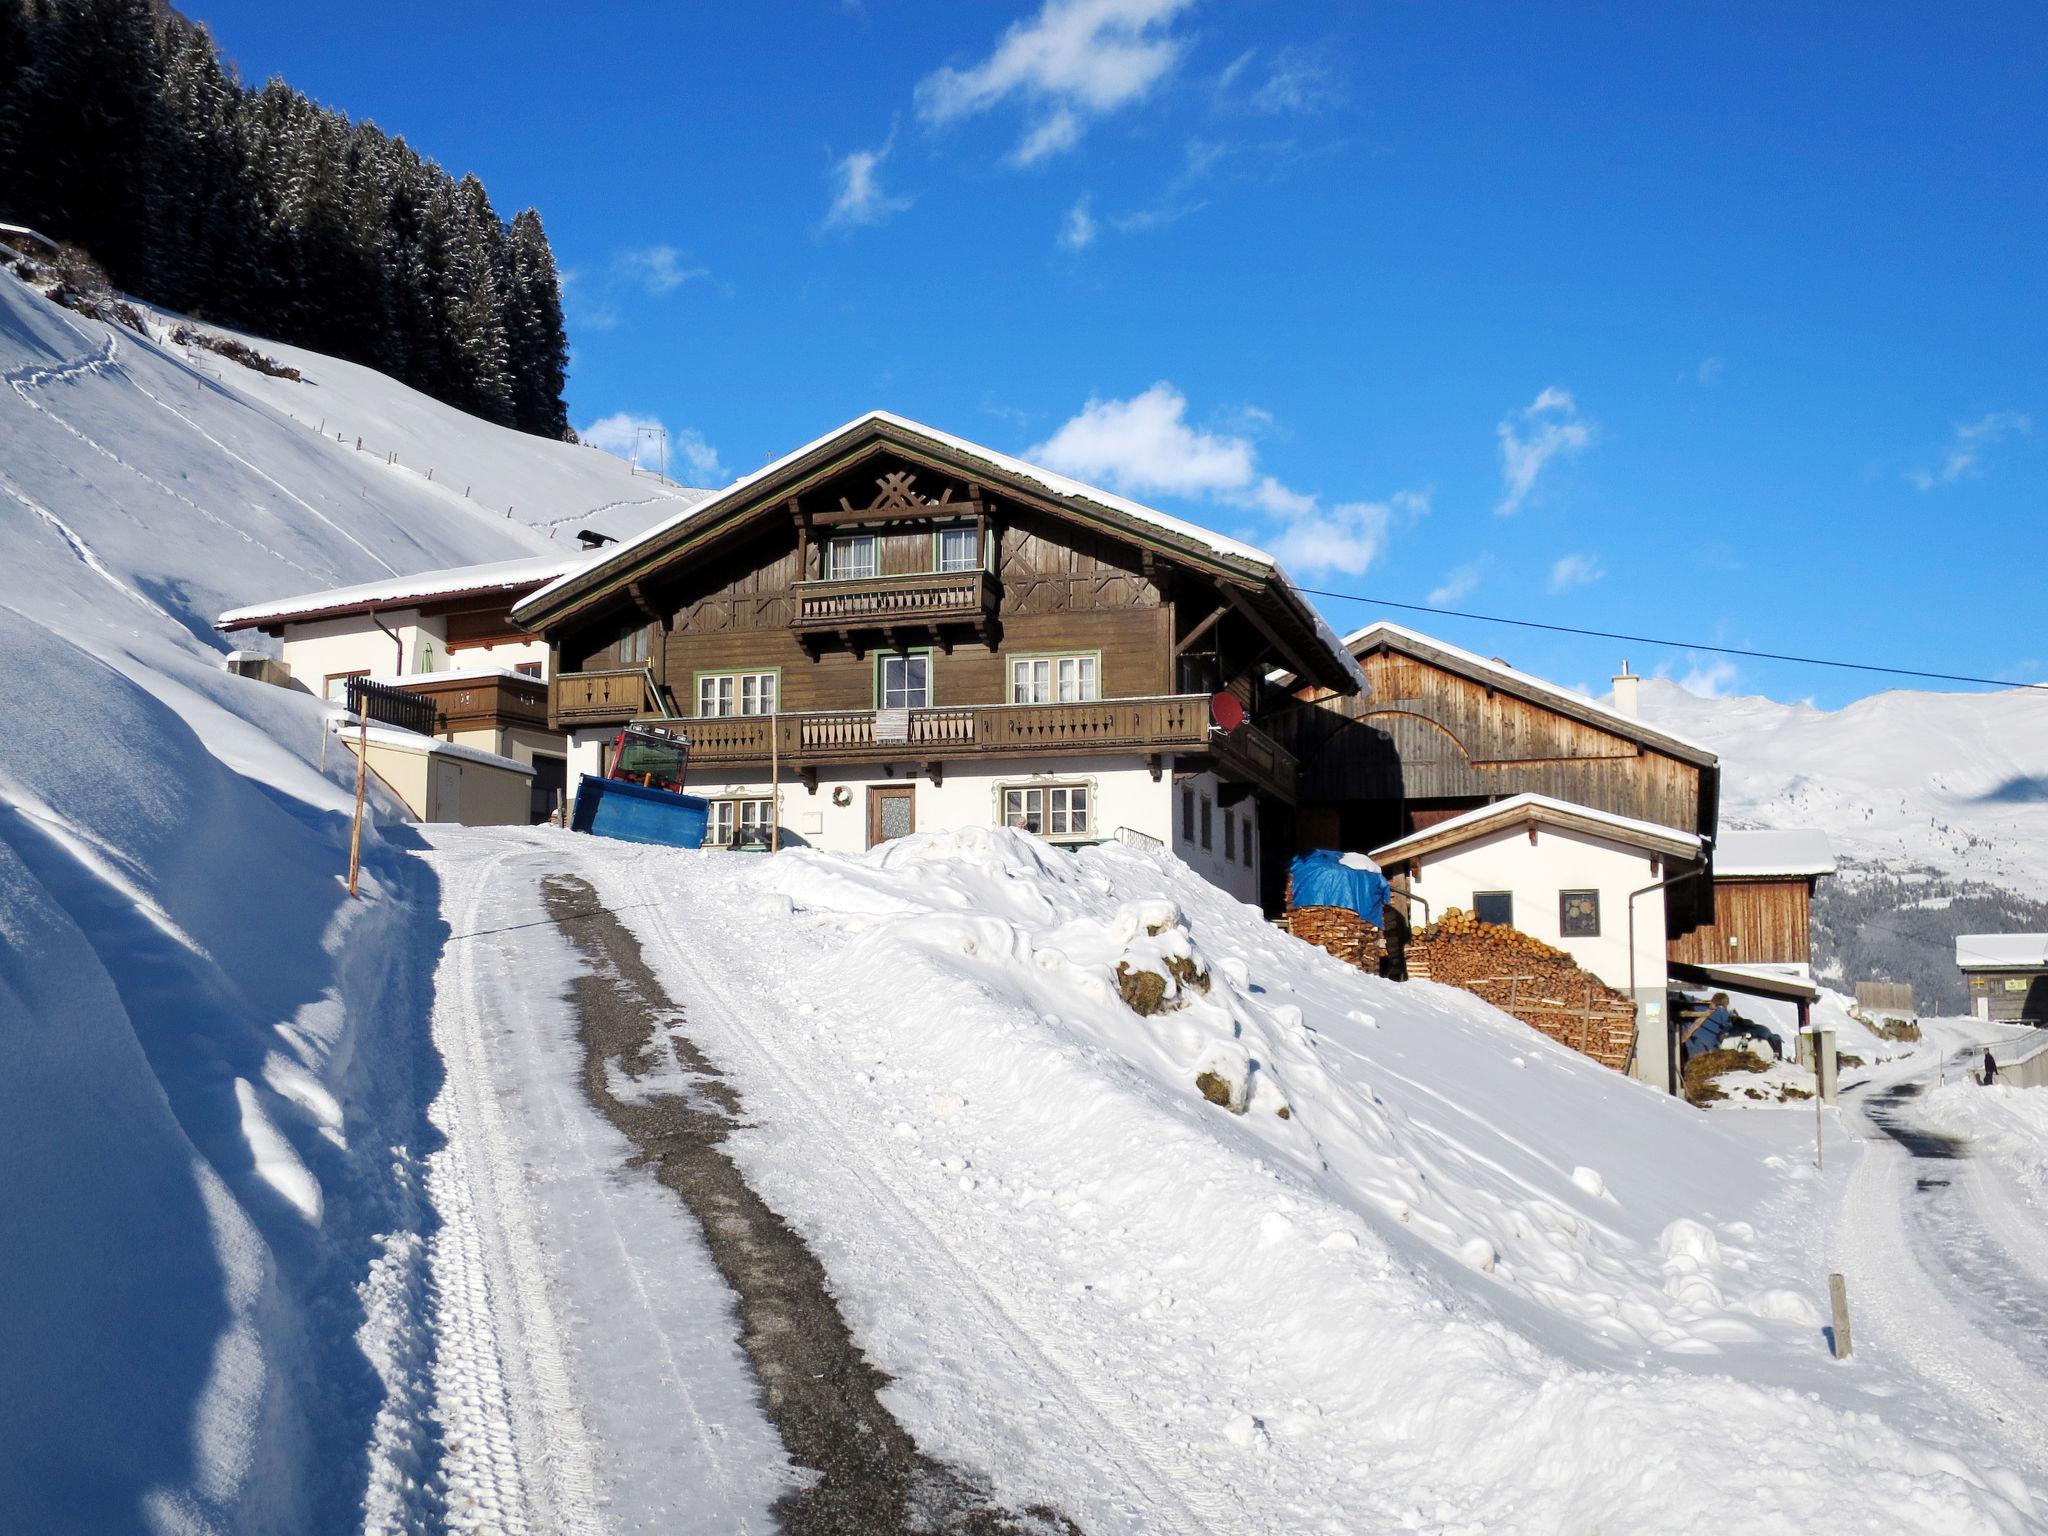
1937	805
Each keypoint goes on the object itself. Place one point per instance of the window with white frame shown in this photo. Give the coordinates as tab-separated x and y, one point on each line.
959	549
1054	679
850	558
736	693
728	822
1050	810
904	682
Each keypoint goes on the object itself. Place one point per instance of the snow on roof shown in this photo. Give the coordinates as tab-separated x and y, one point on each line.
423	586
1053	482
2002	951
1754	854
1631	724
1543	807
346	725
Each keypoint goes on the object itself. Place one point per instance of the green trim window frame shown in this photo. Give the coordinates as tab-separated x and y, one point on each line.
853	557
752	691
1578	914
1055	677
903	679
956	548
1056	812
1496	907
725	820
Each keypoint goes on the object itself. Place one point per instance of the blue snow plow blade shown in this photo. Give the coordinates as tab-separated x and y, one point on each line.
635	814
1323	879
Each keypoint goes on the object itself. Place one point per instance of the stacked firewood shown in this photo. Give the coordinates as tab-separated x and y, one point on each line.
1540	985
1339	930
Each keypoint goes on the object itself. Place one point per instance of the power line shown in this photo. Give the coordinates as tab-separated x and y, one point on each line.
1680	645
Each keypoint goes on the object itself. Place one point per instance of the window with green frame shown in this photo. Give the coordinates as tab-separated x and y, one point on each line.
738	693
1072	679
903	680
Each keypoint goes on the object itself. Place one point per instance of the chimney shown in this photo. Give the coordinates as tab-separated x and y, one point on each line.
1625	700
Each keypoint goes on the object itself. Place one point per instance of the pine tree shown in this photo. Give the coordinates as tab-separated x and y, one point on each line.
540	344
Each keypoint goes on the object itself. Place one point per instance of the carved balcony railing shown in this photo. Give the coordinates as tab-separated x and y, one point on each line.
606	696
1177	724
919	600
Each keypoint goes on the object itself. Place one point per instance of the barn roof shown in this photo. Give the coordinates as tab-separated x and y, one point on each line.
1498	674
499	577
1237	564
2002	951
1517	810
1761	854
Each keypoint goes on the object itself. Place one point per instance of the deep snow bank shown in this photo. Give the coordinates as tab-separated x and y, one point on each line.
211	1088
1468	1281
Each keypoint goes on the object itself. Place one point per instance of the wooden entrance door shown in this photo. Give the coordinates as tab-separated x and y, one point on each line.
891	811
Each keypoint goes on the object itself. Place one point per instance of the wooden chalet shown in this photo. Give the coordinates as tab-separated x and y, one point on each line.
909	631
2007	974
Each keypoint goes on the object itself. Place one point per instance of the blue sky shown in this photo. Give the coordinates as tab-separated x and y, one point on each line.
1722	323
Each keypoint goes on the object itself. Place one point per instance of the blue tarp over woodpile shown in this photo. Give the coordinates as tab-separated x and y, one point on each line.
1324	878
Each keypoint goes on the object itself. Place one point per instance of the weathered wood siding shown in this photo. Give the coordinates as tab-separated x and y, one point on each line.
1770	921
1427	733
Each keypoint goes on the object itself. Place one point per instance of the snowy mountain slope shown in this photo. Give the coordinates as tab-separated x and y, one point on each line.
1469	1282
1950	783
552	486
212	1081
1936	804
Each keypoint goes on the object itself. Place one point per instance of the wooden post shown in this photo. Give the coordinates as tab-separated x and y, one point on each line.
1819	1116
355	837
775	780
1838	1297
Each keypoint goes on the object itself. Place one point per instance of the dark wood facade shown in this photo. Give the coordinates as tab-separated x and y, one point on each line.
749	584
1437	736
1756	922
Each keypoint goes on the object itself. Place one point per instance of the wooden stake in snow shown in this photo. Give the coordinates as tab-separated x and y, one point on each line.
1838	1296
355	837
774	783
1820	1119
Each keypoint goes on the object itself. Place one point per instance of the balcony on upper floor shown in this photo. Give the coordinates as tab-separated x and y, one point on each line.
896	607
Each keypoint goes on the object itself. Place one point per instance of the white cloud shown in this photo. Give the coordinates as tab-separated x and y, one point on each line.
1574	571
1075	60
641	439
1455	585
1710	370
1709	678
1078	232
658	268
1549	427
1298	81
1967	444
858	197
1144	446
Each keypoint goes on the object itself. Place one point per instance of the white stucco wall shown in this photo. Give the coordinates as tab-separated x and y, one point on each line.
1238	874
1536	872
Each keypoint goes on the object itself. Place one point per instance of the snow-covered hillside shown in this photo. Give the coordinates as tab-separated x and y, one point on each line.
1948	783
209	1067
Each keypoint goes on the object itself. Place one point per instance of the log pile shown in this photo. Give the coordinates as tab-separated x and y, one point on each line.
1339	930
1541	986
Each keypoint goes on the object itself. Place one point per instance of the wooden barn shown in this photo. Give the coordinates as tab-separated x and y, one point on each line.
1443	731
1763	900
2007	975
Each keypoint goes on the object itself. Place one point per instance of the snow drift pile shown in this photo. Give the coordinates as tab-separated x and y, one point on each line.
1323	1251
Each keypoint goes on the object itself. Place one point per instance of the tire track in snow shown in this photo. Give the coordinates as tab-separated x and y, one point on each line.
1906	1313
1190	1498
516	1454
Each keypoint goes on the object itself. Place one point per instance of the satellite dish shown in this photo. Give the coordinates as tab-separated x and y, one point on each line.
1226	710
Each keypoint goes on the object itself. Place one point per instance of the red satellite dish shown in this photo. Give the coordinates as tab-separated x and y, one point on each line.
1226	709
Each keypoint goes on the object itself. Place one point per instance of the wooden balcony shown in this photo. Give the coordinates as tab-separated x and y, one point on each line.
919	601
612	695
466	703
1177	724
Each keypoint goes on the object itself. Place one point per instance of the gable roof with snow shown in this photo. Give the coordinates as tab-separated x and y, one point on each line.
1773	853
1518	810
1252	573
497	578
2002	951
1498	674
